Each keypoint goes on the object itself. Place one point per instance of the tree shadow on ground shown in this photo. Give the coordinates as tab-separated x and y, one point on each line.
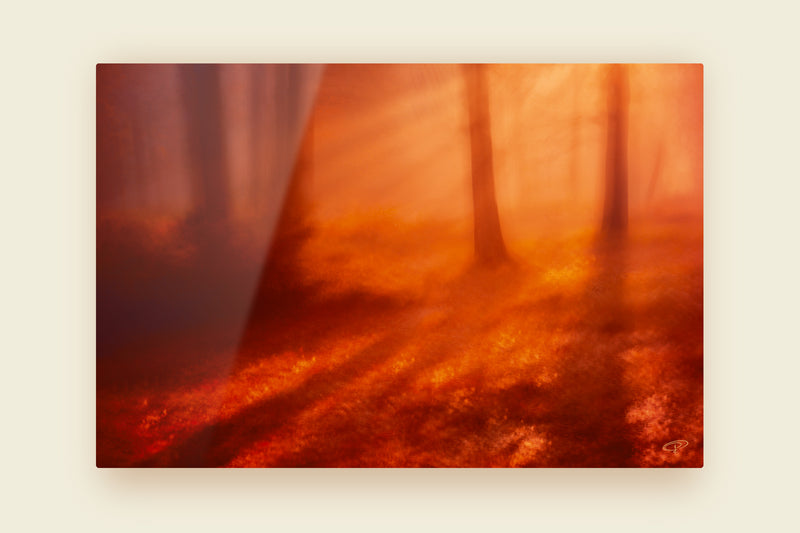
386	416
581	414
398	325
584	409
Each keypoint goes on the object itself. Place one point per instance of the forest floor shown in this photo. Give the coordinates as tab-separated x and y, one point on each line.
577	353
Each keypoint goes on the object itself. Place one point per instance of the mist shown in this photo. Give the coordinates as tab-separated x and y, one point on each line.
399	265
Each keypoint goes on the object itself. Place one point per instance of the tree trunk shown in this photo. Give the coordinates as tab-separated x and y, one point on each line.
489	245
575	144
259	134
203	105
655	176
615	207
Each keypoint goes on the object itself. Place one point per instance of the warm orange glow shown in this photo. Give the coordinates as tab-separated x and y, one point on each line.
371	335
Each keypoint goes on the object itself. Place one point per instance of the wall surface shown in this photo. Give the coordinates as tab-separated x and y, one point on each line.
48	219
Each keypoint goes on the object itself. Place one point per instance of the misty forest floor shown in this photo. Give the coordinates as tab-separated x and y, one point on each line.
577	353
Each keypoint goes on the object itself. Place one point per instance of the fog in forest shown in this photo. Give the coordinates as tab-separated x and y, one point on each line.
399	265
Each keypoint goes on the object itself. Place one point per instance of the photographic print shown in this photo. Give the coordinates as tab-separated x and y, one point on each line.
399	265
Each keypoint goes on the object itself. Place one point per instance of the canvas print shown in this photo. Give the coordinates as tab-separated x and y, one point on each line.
399	265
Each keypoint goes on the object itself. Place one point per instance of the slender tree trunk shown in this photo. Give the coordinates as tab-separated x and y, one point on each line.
206	140
142	153
615	207
575	144
489	245
259	138
655	176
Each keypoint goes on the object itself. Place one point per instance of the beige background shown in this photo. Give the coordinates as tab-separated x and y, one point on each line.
751	185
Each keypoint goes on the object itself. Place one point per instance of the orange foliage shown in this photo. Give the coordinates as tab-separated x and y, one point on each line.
392	348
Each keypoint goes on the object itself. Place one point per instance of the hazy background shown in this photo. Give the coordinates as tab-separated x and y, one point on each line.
184	230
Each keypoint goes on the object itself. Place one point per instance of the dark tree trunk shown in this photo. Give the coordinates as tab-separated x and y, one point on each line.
615	206
259	138
203	105
489	245
144	166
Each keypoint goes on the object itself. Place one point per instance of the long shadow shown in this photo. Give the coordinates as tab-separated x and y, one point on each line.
347	441
219	443
303	320
582	412
585	413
